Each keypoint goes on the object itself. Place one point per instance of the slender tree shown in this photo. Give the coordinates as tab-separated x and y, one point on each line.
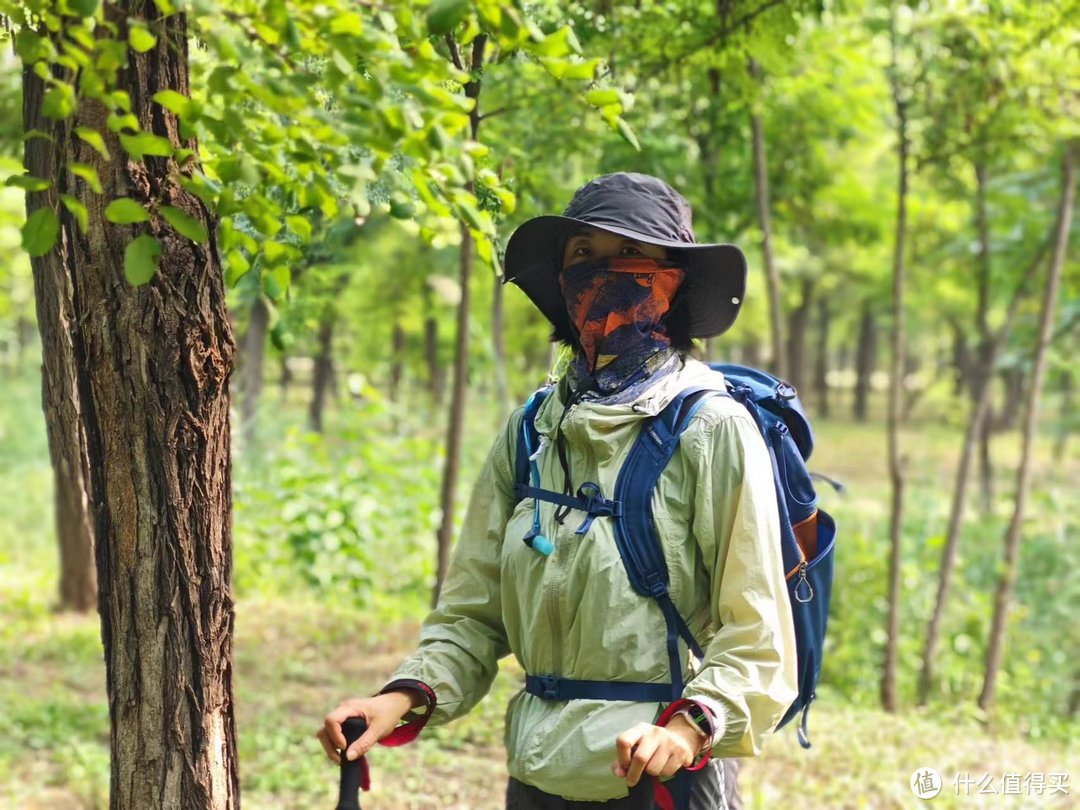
1003	594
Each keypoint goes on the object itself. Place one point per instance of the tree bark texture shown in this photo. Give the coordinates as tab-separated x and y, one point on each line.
772	274
865	361
896	383
251	371
152	367
1003	594
60	397
456	421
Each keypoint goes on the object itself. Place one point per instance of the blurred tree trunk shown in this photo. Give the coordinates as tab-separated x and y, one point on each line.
899	352
985	369
865	360
963	378
772	275
397	360
1003	595
461	346
286	378
322	374
1012	381
798	323
1066	413
821	364
979	413
431	350
253	355
498	345
153	385
751	351
60	395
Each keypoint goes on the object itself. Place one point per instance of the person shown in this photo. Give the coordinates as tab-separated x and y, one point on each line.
622	280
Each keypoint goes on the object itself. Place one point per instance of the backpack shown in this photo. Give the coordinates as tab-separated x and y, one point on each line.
807	533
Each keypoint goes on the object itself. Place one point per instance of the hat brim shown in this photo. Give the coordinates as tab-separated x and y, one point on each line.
715	273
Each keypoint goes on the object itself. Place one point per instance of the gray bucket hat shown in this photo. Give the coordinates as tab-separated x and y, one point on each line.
644	208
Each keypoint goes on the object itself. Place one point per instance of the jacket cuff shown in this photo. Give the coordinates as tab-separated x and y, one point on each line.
714	710
411	729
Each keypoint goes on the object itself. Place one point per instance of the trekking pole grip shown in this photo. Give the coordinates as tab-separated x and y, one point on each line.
349	793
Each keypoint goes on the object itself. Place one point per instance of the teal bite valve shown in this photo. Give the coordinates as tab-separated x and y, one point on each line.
537	542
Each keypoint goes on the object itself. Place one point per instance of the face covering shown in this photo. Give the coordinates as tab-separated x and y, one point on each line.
616	305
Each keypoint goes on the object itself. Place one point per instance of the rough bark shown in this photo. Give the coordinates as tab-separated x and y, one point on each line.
772	274
896	462
253	356
152	367
821	364
1003	594
461	346
798	324
865	360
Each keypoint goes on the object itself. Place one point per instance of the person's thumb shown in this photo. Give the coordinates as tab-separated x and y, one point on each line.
364	743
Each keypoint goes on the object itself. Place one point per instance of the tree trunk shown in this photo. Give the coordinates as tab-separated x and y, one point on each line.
963	378
772	275
286	378
251	371
797	327
979	412
865	360
1003	595
498	341
751	351
431	350
152	367
896	462
60	398
1012	381
461	345
397	367
821	365
1066	413
323	372
983	277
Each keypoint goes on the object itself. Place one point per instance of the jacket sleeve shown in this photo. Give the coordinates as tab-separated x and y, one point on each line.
463	638
748	678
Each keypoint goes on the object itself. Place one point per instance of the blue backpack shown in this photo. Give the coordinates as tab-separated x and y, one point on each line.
807	533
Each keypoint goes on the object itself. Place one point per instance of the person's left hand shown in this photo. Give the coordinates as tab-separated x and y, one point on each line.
656	750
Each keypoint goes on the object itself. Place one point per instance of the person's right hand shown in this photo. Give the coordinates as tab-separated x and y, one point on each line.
382	714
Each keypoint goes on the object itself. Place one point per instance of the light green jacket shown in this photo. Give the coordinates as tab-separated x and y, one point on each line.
574	613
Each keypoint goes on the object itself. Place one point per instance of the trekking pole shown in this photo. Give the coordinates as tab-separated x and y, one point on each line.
349	793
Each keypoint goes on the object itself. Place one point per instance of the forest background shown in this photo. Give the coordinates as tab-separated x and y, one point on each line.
250	263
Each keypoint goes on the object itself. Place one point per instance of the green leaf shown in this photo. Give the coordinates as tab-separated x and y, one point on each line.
602	97
31	48
78	210
236	267
37	133
27	182
84	8
184	223
348	23
40	231
125	211
627	133
276	282
443	15
93	137
300	226
176	103
87	173
140	39
146	144
140	259
59	101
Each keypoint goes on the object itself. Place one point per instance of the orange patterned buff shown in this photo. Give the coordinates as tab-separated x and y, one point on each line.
616	305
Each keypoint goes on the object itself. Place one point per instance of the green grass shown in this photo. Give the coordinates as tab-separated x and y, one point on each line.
300	649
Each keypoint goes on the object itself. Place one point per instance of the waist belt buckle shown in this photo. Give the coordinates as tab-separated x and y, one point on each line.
549	687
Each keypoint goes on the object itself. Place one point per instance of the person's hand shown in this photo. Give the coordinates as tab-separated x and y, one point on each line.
656	750
382	714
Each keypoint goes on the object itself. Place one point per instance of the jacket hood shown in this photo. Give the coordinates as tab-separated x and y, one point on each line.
652	400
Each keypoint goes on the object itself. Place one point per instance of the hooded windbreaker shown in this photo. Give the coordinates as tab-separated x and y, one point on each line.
574	613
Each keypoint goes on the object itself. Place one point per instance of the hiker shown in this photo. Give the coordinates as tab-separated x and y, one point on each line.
622	281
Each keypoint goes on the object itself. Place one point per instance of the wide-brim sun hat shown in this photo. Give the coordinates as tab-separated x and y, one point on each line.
644	208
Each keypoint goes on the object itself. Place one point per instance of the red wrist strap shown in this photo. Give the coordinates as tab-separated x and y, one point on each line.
661	795
403	734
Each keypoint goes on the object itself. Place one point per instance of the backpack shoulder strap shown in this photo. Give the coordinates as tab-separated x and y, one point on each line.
527	437
635	531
